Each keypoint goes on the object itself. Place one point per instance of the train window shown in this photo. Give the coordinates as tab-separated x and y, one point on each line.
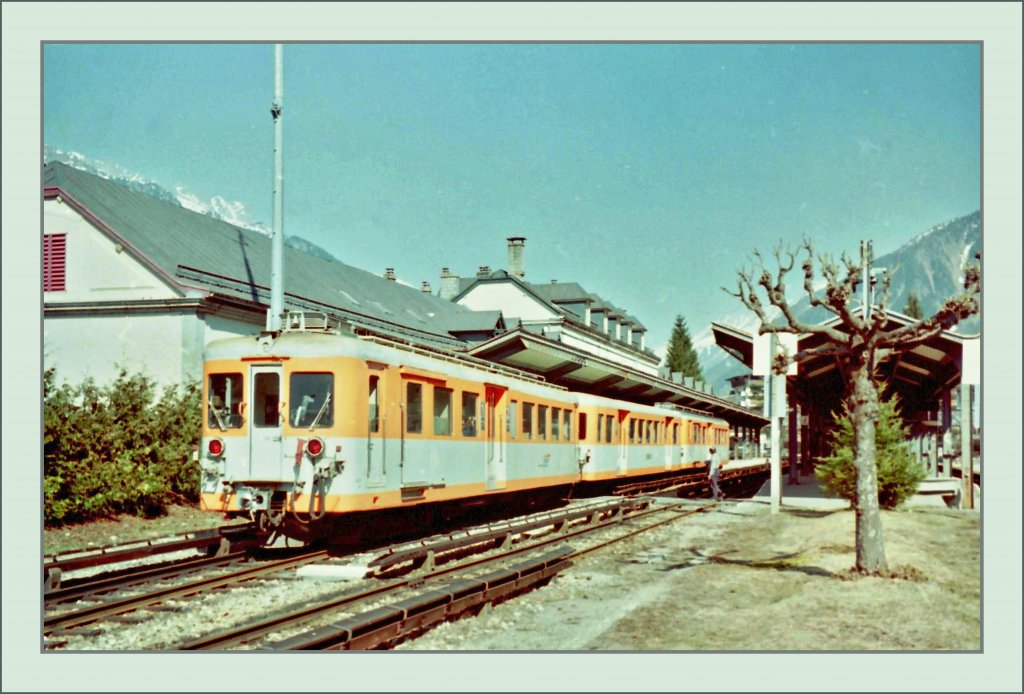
567	424
267	393
527	420
469	414
442	411
600	426
556	424
542	422
414	408
373	405
583	426
510	419
312	397
224	401
609	425
675	433
632	430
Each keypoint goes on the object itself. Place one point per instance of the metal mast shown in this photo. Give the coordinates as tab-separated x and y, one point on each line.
276	272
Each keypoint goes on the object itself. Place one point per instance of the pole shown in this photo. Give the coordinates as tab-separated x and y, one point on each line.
277	249
864	279
775	485
966	448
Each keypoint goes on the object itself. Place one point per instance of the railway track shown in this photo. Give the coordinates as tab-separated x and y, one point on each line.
513	563
436	594
60	623
214	542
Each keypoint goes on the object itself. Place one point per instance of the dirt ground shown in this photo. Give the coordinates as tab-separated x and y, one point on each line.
731	579
738	582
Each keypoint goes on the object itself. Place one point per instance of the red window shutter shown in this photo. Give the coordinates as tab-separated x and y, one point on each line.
54	246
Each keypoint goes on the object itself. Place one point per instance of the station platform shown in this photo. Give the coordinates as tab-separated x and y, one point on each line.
808	495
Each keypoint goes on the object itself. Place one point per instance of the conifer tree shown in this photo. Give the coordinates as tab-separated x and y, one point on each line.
681	355
913	307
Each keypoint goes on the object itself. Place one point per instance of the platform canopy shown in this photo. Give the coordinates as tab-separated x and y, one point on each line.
919	376
576	370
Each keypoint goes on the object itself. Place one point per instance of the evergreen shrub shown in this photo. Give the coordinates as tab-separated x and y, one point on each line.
899	473
117	449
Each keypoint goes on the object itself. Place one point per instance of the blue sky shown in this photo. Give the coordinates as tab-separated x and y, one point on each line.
645	172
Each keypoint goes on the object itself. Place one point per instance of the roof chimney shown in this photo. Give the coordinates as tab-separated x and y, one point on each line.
389	274
516	248
483	271
449	285
425	287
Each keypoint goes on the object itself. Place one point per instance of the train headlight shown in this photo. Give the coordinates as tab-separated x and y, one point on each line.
215	447
315	447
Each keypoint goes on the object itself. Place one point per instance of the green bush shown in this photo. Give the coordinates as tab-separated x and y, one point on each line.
899	474
112	449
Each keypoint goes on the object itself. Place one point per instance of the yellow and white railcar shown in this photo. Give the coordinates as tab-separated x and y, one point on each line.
313	423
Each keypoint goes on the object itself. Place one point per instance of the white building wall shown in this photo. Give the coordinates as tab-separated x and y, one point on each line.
95	269
166	346
598	348
97	347
506	297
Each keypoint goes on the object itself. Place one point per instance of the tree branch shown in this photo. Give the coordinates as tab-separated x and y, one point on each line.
952	312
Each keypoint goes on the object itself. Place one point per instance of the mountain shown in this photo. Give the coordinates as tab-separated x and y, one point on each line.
930	265
217	207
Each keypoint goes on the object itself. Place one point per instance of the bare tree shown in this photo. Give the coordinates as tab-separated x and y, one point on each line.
858	348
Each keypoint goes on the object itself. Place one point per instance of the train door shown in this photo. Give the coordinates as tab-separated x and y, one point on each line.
667	433
378	429
623	443
266	455
495	432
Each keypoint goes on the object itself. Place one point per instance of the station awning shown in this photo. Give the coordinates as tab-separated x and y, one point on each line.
918	376
577	370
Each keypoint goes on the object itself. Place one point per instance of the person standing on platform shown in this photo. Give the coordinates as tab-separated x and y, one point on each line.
714	467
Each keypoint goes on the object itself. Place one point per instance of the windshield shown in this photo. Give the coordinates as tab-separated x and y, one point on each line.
224	401
312	400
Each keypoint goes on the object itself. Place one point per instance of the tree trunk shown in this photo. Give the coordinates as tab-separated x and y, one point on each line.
864	414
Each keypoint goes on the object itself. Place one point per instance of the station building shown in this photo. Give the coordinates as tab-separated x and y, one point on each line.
937	383
137	283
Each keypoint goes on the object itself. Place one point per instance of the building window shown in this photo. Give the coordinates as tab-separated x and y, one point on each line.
54	247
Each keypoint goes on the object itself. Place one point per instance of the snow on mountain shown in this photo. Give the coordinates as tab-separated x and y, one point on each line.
232	212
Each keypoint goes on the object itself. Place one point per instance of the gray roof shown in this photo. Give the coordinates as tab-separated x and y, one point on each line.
213	255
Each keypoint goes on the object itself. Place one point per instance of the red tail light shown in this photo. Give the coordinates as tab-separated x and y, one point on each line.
215	447
314	447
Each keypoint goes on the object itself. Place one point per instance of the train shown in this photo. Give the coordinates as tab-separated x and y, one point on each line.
315	432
